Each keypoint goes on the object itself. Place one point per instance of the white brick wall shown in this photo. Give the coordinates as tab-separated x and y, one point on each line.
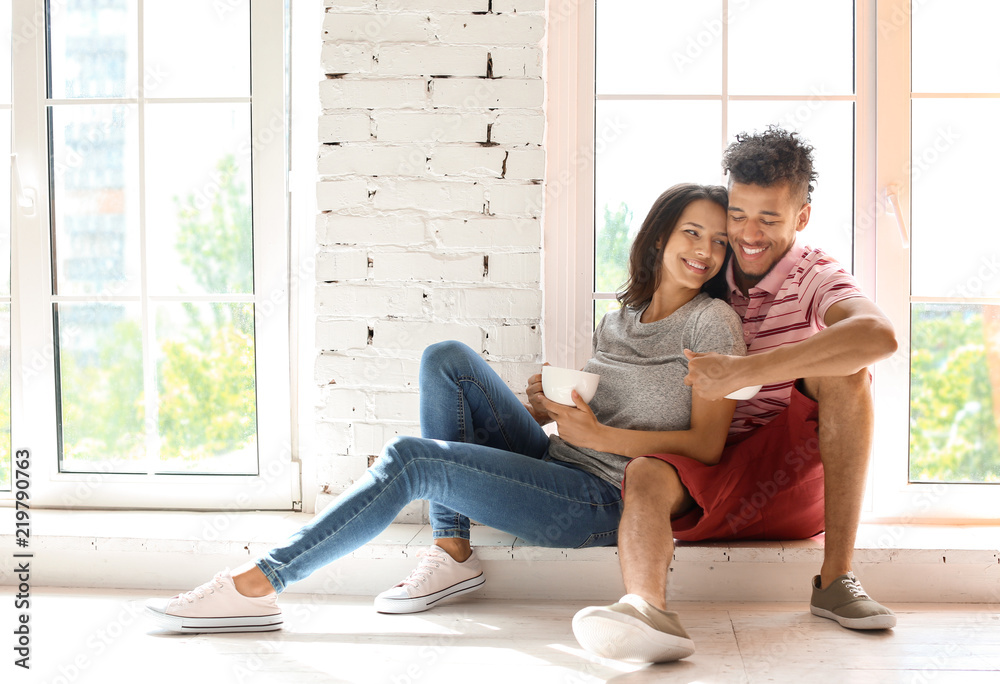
430	167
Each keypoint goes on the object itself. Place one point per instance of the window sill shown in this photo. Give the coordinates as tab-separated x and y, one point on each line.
177	550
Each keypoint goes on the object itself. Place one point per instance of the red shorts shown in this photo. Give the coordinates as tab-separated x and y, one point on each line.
767	485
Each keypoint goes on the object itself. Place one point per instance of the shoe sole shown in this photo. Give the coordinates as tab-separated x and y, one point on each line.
418	604
870	622
622	637
192	625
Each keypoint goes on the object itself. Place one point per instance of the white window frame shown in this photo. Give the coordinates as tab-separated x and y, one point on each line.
882	139
276	486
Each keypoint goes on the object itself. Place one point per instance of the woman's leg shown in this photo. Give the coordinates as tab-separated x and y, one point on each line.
463	400
547	503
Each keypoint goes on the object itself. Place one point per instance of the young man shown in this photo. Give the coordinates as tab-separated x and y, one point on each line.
797	455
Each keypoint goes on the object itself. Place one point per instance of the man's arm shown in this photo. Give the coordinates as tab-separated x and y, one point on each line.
857	335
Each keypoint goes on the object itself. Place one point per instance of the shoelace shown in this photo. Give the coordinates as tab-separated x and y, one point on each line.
854	586
429	562
199	592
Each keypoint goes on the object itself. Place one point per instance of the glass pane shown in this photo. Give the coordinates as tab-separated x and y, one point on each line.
100	388
603	306
638	157
954	47
829	127
659	47
215	60
5	51
5	215
198	221
93	48
790	47
207	395
953	146
5	444
955	393
95	199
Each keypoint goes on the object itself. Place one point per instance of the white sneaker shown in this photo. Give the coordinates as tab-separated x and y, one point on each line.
216	606
437	576
632	629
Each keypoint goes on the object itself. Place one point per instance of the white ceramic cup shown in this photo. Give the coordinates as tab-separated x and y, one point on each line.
558	384
745	393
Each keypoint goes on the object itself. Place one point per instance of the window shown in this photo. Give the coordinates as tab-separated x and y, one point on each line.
153	269
660	91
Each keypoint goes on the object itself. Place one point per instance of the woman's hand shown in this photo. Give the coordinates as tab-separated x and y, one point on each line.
577	424
535	396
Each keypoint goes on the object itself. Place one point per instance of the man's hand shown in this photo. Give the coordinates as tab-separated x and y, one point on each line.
535	396
577	424
712	376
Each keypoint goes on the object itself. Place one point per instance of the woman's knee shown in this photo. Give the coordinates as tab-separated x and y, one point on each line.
444	355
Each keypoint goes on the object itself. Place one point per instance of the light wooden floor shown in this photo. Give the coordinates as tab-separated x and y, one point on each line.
86	635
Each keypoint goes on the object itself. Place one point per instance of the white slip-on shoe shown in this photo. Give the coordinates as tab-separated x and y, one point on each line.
634	630
437	576
216	606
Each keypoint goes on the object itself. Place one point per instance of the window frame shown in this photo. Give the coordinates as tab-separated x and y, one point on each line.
276	486
882	147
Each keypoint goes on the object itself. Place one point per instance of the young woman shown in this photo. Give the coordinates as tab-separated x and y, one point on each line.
484	455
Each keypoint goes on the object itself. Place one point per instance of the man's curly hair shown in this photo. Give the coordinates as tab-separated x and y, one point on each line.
769	158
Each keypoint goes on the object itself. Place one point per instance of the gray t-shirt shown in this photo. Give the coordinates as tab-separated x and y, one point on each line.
642	368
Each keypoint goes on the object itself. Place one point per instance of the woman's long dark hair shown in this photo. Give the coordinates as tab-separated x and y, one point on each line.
646	260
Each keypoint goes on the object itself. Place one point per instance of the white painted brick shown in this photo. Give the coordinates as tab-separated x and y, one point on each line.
350	4
431	196
419	335
341	403
516	374
526	164
335	195
517	62
341	265
396	406
491	29
516	200
343	470
370	438
436	6
486	233
367	371
518	129
334	438
348	58
341	335
346	93
430	127
487	303
387	229
368	301
426	267
506	6
415	28
521	269
467	161
345	127
373	160
432	60
488	93
513	340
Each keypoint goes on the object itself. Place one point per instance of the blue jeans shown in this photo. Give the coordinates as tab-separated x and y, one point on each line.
482	456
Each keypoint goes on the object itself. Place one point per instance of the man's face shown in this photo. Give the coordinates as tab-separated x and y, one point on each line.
762	225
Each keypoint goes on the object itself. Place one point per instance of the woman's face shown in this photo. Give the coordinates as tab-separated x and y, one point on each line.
696	249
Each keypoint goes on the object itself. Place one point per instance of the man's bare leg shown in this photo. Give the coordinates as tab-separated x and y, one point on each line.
653	493
846	425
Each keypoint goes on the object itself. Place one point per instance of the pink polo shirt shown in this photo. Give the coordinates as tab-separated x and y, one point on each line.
786	307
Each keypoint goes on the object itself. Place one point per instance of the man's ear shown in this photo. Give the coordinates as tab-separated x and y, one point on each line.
802	219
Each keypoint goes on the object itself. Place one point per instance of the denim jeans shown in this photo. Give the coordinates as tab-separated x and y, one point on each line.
482	456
